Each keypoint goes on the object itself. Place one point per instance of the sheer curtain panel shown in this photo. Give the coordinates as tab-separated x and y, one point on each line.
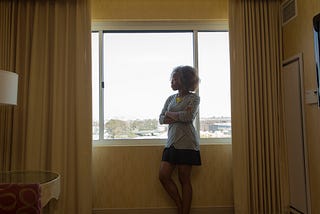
257	127
48	44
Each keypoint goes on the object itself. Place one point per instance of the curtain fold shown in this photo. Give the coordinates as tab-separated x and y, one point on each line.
48	44
257	127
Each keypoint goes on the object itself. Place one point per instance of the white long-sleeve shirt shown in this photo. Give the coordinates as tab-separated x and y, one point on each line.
182	134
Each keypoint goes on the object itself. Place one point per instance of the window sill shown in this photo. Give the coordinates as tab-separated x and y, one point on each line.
155	142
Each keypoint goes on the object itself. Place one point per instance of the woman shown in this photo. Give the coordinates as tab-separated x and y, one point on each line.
182	147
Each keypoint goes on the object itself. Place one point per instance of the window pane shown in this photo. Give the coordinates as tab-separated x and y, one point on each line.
137	68
214	71
95	85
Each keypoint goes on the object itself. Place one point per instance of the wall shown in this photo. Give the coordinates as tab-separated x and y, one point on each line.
159	9
298	38
127	176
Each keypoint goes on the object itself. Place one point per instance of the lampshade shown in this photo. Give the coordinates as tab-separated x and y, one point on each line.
8	87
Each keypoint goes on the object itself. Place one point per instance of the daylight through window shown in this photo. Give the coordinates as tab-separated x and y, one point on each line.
131	81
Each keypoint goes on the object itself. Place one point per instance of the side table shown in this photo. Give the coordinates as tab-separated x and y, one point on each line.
48	181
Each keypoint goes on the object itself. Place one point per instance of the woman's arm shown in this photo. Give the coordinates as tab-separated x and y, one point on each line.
168	120
172	115
163	119
188	114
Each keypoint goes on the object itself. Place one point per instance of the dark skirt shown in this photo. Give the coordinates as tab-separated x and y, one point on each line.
181	156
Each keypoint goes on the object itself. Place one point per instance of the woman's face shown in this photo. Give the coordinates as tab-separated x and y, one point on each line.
175	82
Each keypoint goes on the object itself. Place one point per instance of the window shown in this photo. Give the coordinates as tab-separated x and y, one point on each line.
131	81
95	85
214	89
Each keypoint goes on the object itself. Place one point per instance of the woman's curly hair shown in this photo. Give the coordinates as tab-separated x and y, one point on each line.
188	77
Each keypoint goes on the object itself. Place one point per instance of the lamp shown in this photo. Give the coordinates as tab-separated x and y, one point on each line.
8	87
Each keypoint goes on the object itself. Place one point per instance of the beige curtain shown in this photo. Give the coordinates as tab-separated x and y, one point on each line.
48	44
257	136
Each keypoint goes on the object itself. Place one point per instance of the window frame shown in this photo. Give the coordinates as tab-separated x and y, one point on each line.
152	26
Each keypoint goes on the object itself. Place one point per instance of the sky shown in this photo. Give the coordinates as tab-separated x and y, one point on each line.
137	68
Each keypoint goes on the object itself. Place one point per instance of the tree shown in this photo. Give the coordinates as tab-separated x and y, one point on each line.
116	128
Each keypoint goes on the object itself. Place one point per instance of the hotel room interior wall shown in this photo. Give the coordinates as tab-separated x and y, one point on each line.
127	176
298	38
159	9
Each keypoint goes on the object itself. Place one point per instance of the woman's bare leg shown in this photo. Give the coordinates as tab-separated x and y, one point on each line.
169	185
184	172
